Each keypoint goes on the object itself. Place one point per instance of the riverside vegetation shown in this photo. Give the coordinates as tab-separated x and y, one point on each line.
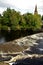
15	25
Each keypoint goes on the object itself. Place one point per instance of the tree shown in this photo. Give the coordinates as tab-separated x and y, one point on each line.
4	27
33	22
0	27
37	22
0	18
42	17
6	17
12	19
28	18
22	22
15	18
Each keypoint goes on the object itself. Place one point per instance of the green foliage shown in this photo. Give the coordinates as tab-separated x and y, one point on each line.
37	22
13	20
15	17
6	17
42	17
0	27
33	22
22	22
4	27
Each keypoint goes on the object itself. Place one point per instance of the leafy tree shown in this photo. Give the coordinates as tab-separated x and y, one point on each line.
42	17
6	17
14	21
0	27
4	27
28	18
0	18
22	22
33	22
37	22
15	18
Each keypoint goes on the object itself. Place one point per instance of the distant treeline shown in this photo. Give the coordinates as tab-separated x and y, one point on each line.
13	21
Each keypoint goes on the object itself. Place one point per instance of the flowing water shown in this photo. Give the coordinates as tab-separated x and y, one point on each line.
38	48
37	39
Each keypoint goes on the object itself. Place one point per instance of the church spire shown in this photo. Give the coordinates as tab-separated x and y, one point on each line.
36	12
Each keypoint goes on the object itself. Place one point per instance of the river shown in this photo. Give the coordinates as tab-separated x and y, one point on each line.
2	39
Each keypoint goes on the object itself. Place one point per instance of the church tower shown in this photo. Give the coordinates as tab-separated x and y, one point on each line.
36	12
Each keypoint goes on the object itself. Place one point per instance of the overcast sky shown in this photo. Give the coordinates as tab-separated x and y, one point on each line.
22	5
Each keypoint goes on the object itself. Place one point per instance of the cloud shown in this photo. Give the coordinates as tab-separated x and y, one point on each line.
22	5
4	5
8	4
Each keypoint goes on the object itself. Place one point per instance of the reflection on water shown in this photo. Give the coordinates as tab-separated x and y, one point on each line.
2	39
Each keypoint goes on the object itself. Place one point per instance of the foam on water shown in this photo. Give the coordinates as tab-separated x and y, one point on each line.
41	49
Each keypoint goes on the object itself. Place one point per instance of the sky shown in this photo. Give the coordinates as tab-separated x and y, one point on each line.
22	5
